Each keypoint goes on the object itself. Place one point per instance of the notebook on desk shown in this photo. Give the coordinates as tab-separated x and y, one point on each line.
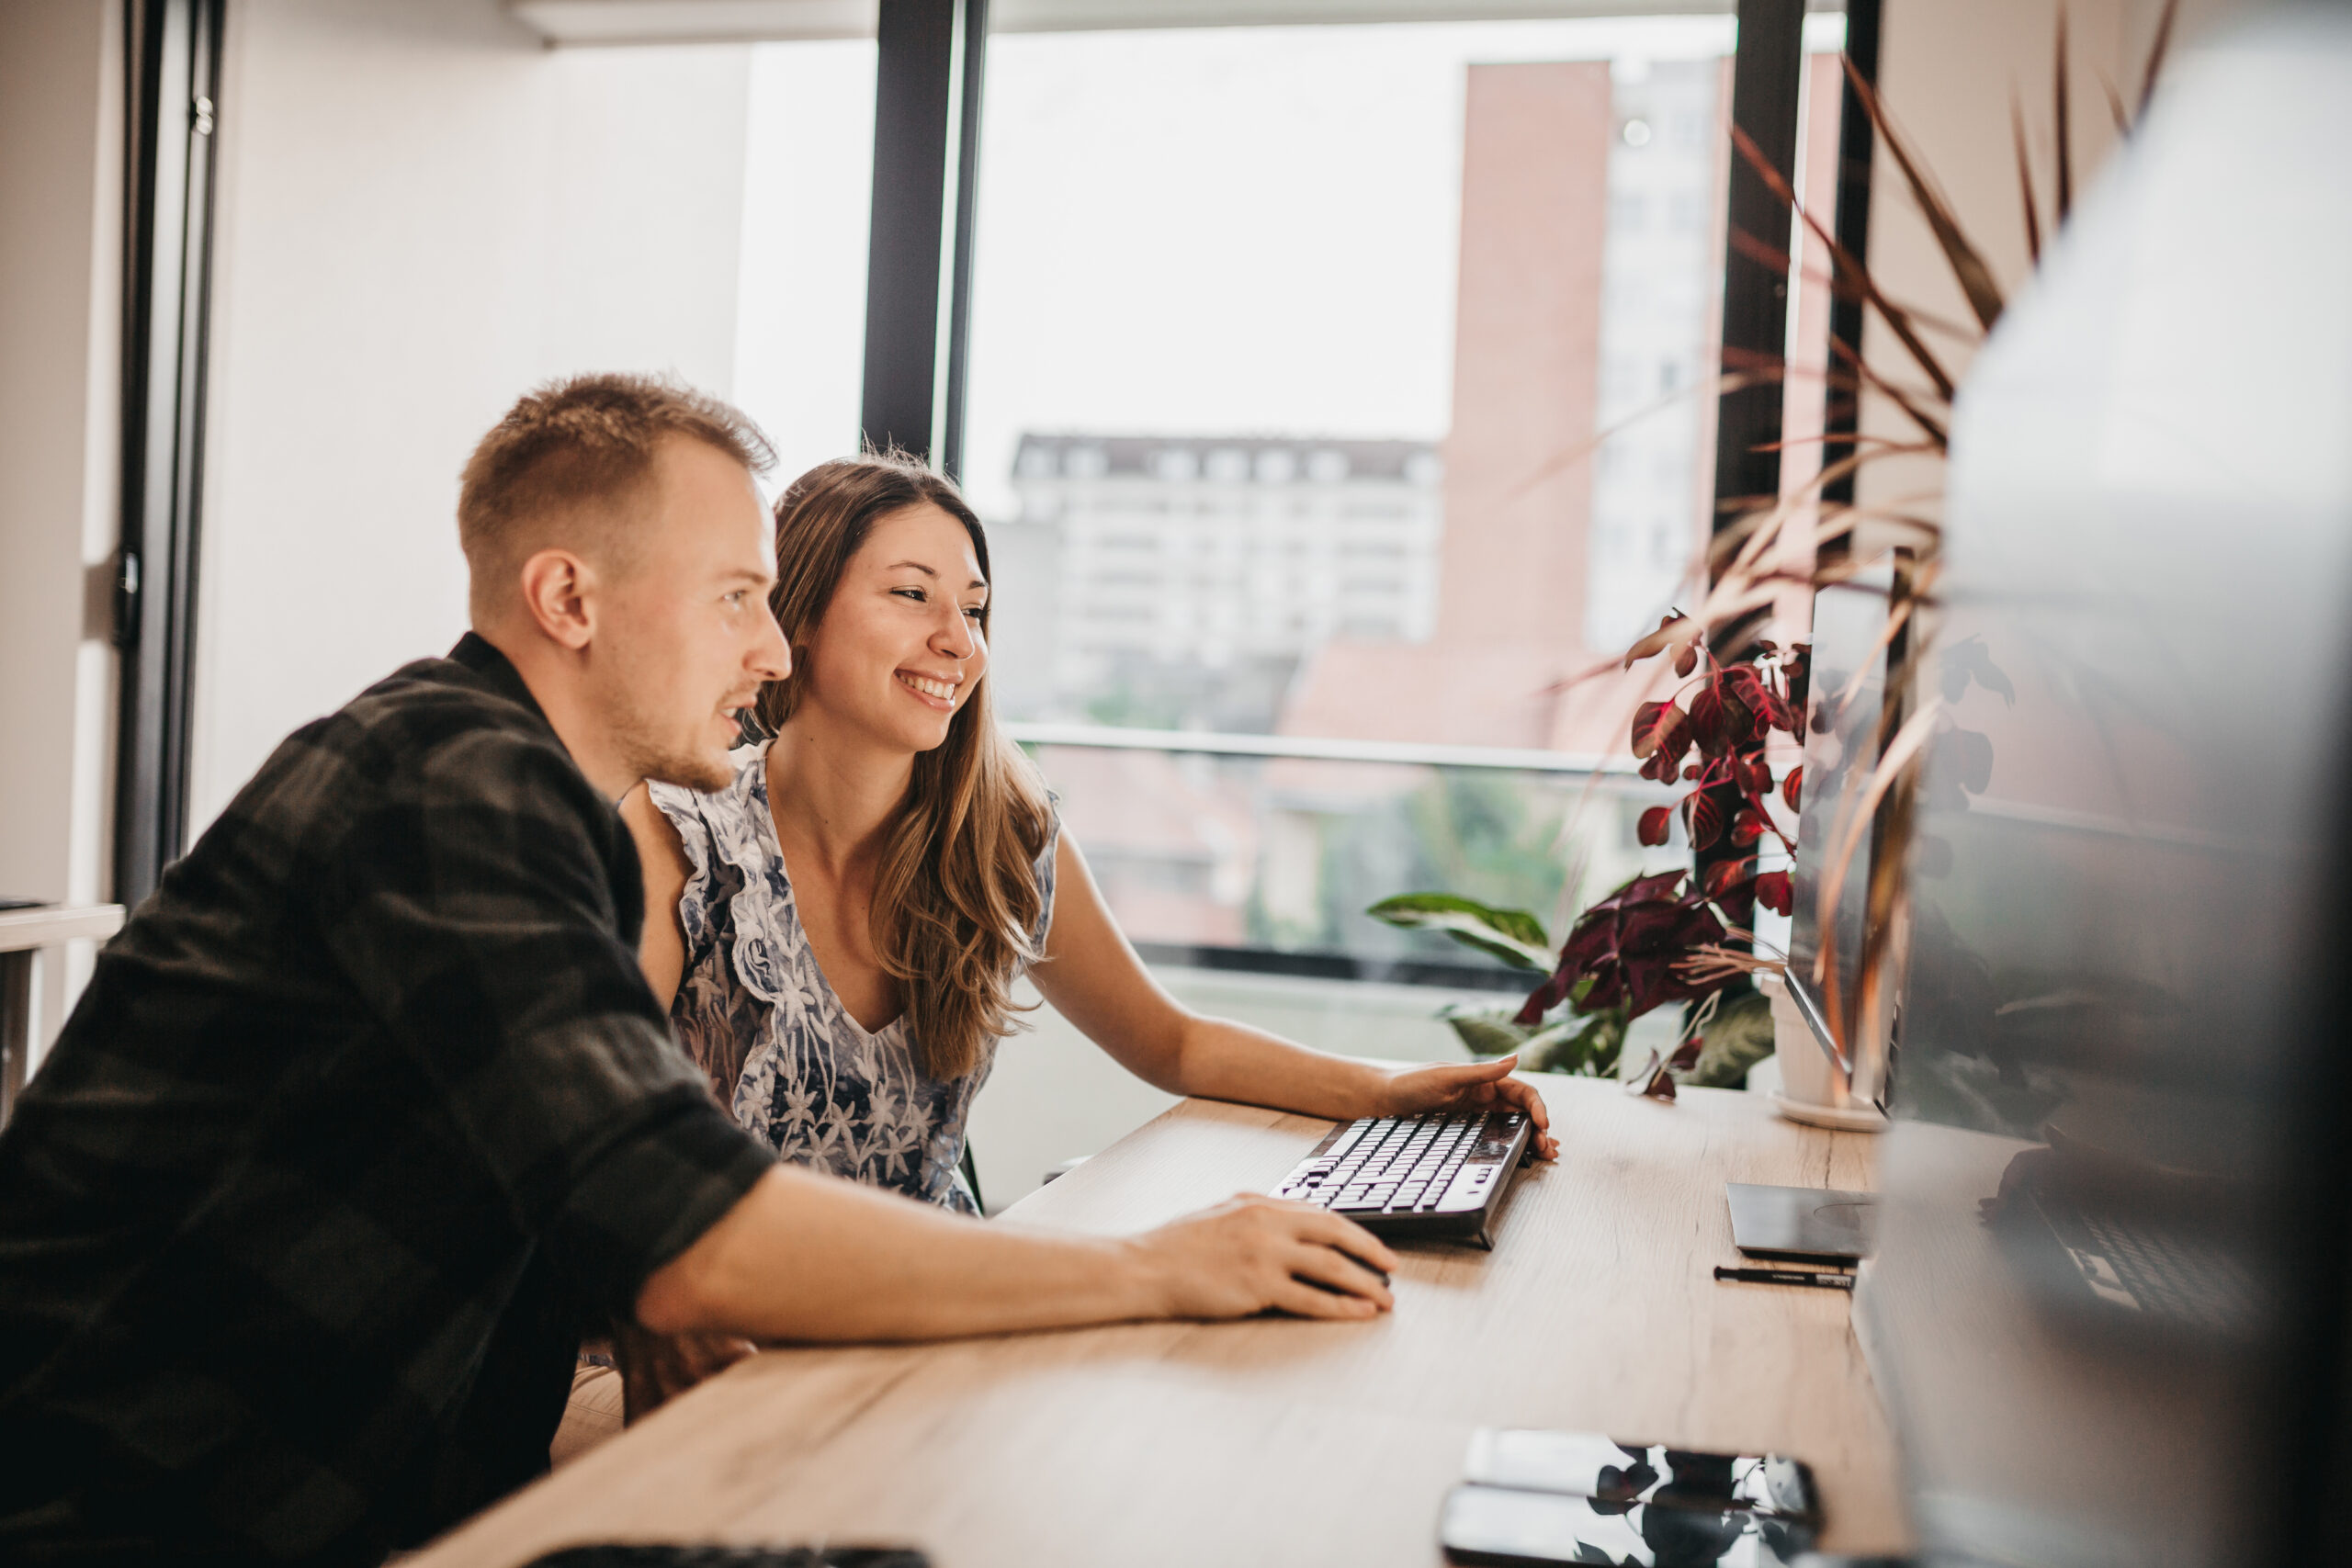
1439	1175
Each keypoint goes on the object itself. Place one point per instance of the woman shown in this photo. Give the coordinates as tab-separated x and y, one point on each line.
839	931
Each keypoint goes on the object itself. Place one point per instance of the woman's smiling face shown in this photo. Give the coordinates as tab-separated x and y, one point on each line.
900	648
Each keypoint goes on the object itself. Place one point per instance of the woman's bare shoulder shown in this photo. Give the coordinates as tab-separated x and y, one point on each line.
658	847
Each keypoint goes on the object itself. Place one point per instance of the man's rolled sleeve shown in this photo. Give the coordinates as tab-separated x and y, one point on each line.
652	1194
498	878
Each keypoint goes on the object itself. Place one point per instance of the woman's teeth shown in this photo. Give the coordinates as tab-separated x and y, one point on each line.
942	690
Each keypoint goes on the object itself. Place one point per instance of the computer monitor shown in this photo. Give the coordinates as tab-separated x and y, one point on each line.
2108	1310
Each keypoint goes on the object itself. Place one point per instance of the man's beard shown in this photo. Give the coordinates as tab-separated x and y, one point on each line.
649	754
681	768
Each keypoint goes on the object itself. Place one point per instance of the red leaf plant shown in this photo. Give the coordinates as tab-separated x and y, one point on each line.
1629	944
1650	941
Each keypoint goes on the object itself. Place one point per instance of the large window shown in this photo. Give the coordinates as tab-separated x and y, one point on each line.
1342	387
1351	385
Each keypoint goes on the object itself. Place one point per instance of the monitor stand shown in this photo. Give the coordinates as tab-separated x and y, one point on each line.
1802	1221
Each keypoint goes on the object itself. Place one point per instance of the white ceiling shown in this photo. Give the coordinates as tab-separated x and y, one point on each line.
693	21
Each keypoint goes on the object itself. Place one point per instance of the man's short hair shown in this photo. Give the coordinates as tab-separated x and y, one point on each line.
572	444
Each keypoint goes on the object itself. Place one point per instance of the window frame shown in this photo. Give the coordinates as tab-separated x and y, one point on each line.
172	68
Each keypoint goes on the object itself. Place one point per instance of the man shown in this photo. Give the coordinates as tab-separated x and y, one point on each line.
368	1111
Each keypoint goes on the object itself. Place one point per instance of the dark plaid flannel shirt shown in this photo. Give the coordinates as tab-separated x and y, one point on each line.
362	1116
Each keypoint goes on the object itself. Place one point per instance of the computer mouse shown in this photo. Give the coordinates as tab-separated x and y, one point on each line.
1381	1274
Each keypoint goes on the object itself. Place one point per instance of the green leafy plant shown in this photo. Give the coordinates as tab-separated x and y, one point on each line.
1579	1040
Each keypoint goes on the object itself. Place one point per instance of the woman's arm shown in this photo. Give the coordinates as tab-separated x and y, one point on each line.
1094	979
662	948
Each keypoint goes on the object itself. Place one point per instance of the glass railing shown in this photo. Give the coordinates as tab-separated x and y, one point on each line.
1260	853
1240	866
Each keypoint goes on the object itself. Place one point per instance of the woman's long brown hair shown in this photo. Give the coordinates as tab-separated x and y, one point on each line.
955	896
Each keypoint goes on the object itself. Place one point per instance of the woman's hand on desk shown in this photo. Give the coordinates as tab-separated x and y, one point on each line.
1254	1252
1471	1085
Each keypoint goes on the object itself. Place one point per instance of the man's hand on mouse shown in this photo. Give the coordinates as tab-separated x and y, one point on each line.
1255	1252
1471	1085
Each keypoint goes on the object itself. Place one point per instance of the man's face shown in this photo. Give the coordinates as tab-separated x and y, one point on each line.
684	636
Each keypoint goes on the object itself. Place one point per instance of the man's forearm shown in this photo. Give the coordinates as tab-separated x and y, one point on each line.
805	1256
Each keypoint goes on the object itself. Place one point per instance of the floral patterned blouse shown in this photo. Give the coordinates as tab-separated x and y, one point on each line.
757	1014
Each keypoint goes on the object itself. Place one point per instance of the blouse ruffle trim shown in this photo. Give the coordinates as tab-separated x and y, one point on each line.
731	823
739	832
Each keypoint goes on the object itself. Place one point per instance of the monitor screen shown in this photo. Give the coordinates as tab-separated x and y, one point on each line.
2107	1311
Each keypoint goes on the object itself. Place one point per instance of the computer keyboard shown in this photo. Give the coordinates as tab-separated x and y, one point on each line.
1441	1174
2160	1270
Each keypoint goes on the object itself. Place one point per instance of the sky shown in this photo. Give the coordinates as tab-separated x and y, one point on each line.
1247	229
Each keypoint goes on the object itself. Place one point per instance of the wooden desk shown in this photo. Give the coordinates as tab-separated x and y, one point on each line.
24	933
1278	1442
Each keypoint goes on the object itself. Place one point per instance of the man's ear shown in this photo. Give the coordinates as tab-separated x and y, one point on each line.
559	590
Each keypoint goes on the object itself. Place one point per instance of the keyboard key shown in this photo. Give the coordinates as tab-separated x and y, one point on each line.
1420	1165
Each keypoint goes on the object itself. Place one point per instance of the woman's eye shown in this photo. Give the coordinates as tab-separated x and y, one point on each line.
974	612
916	594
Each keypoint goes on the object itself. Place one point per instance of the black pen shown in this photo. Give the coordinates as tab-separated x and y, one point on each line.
1820	1281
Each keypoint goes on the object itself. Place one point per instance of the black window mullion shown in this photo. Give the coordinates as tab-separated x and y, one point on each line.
926	112
972	68
1855	145
1766	76
174	69
1767	80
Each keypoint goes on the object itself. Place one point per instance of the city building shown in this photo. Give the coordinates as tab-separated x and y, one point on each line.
1191	574
1557	544
1661	283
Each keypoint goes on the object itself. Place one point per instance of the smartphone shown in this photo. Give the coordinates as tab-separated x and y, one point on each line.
1588	1465
1495	1525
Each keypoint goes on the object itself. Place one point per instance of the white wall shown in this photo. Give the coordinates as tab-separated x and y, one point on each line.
808	184
1946	68
61	153
422	213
